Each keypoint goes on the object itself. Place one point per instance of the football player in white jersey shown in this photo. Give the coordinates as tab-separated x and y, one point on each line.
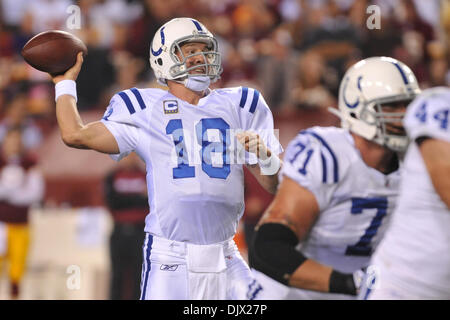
186	136
413	259
338	188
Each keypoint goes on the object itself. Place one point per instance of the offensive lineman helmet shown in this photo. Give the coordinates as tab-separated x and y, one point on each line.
168	41
365	88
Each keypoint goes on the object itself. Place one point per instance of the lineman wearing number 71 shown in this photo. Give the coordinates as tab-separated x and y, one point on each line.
194	169
338	189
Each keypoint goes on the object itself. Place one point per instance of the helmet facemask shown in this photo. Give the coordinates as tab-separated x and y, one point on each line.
212	61
389	129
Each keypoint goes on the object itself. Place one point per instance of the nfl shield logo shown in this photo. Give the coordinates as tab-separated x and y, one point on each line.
170	106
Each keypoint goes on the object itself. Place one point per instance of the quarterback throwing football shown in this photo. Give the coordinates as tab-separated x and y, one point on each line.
186	137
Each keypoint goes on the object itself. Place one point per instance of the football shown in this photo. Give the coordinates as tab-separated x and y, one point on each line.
53	51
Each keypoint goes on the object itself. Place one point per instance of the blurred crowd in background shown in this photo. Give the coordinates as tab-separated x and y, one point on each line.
294	51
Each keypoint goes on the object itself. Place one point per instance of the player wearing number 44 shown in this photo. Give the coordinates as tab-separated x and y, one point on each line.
413	259
194	166
338	188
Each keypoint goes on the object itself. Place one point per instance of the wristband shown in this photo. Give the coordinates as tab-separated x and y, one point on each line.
66	87
342	283
269	166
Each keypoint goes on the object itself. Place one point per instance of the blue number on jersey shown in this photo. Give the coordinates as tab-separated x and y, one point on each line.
308	157
362	247
209	147
442	117
421	114
184	170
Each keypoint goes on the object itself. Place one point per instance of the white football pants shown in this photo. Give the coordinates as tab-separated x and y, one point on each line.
173	270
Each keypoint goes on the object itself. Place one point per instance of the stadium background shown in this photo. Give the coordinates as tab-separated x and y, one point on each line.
293	51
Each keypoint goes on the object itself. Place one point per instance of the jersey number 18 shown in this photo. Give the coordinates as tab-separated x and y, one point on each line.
184	170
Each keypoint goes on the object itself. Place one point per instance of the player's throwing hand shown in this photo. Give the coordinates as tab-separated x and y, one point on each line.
72	73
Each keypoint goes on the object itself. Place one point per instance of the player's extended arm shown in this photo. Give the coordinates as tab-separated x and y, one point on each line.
287	220
268	177
74	133
436	155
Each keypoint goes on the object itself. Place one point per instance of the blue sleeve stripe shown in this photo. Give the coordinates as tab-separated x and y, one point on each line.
324	168
244	97
127	101
138	97
333	156
335	162
254	101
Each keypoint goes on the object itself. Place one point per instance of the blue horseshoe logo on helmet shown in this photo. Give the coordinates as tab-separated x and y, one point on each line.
356	103
163	41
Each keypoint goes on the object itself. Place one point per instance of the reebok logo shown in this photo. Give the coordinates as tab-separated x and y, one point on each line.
168	267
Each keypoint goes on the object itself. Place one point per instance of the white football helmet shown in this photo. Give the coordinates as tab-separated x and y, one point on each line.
368	85
168	41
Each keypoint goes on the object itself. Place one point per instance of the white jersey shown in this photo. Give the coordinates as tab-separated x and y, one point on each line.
195	181
355	201
415	254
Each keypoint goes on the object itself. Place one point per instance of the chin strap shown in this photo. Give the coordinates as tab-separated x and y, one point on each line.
197	83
